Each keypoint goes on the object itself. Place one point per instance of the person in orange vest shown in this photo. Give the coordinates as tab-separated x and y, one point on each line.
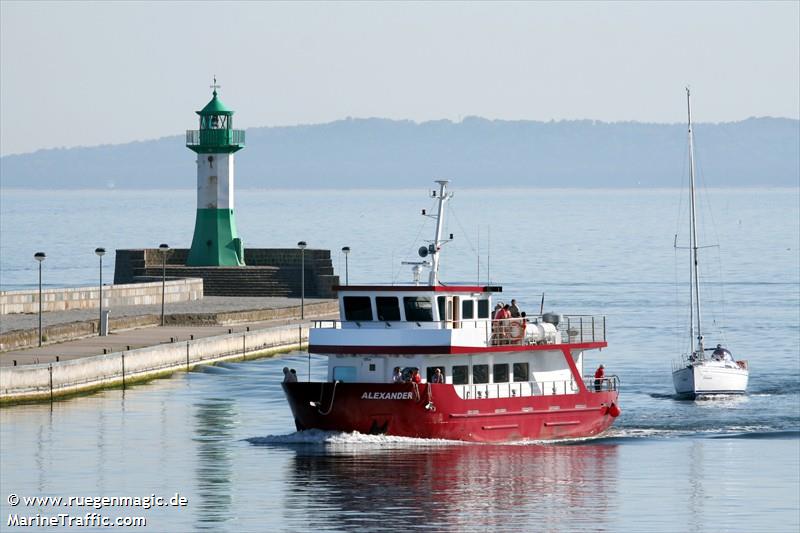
415	377
599	374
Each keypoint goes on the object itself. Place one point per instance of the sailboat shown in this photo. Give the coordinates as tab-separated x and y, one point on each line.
704	371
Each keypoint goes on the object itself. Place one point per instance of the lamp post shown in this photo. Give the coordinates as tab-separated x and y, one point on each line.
100	253
164	249
302	245
40	256
346	252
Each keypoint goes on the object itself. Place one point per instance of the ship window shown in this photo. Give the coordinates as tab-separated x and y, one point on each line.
500	373
372	367
344	373
467	309
418	309
357	308
460	375
480	373
441	301
388	308
521	372
483	308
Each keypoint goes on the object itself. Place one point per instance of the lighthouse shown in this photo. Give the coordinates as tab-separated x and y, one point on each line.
216	241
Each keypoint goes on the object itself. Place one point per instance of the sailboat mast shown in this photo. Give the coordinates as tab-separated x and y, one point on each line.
695	273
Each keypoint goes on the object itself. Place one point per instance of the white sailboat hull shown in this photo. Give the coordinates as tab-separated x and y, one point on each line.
710	377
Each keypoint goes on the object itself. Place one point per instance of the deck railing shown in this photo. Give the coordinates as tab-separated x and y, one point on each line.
507	332
534	388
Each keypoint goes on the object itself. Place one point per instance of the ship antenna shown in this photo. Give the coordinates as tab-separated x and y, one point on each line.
438	242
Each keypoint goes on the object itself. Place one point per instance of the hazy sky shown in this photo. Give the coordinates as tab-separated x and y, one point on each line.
92	73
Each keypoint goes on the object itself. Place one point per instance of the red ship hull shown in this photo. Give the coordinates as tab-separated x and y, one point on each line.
435	411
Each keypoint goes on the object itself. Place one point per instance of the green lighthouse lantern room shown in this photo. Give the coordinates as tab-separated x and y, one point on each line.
216	241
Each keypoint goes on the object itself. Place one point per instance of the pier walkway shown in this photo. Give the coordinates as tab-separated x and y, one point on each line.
212	316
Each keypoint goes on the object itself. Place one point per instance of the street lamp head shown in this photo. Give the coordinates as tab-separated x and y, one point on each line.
346	250
100	251
302	245
163	247
39	256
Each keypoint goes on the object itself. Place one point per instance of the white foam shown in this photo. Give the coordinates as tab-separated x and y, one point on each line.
355	439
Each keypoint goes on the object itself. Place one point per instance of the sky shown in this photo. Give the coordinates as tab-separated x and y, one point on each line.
90	73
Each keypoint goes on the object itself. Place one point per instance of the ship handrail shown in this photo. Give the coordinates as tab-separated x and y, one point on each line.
515	389
570	329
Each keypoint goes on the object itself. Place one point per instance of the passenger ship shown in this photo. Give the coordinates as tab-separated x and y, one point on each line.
505	380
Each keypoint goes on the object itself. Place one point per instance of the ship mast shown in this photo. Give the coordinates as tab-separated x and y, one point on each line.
437	243
695	292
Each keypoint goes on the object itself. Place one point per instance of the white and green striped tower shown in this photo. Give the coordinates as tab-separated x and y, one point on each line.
216	241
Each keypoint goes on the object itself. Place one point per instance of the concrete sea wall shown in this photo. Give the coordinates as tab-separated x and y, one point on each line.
44	382
269	271
64	299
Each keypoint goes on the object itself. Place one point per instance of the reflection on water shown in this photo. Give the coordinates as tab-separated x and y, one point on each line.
223	440
458	486
697	494
214	422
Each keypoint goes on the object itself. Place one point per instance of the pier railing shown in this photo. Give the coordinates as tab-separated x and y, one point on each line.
534	388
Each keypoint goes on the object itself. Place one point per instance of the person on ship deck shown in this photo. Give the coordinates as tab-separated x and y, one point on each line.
397	376
415	377
599	375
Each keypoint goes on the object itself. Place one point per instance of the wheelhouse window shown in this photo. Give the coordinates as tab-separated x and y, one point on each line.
388	308
521	372
460	375
500	373
483	308
467	309
480	373
418	308
357	308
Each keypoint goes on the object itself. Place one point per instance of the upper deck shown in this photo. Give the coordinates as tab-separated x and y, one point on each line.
443	319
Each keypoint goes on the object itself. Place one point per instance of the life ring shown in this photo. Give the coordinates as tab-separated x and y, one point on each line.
516	331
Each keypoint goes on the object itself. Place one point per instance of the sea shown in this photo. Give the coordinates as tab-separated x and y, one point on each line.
215	449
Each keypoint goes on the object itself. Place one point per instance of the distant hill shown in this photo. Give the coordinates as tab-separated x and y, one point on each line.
476	152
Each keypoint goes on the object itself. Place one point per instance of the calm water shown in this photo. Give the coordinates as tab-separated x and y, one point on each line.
222	436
